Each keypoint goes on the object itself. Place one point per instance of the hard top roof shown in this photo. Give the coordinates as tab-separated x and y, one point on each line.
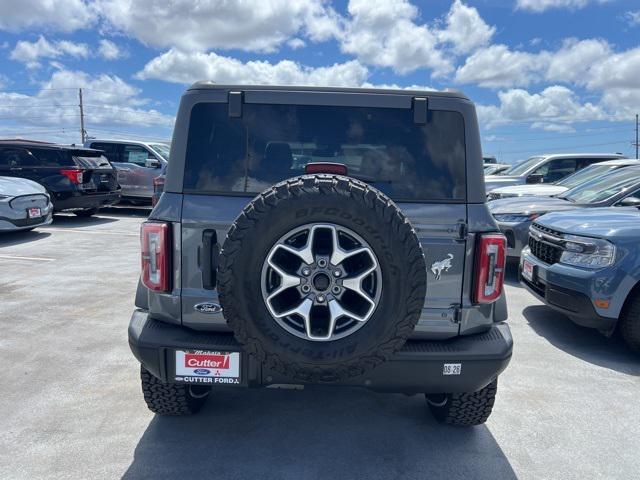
208	85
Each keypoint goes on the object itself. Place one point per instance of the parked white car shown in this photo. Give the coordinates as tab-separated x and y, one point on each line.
549	190
545	169
24	205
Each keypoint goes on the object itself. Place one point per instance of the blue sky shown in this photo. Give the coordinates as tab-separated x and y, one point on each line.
546	75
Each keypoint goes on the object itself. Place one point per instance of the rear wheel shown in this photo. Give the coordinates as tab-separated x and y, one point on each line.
171	399
87	212
630	324
466	409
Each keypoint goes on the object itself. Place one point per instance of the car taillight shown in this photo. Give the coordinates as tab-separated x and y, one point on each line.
155	250
72	174
490	262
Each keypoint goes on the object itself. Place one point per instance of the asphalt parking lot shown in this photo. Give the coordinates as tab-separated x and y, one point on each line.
71	405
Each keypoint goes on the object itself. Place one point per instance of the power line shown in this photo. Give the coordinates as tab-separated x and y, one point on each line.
574	147
560	136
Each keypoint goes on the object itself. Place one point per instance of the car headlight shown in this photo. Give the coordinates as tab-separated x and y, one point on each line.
587	252
516	217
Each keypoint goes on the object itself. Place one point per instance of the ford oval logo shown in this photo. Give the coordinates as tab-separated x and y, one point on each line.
208	307
202	371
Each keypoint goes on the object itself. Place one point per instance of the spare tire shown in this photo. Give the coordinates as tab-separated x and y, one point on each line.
322	278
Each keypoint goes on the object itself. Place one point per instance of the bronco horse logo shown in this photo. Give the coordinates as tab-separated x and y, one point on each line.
442	266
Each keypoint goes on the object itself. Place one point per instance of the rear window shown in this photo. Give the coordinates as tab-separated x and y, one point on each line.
381	146
89	159
44	157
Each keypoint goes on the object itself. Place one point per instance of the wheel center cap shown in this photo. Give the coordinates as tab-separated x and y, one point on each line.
321	282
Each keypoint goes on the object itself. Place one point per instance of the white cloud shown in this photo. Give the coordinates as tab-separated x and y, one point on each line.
252	25
542	5
109	50
59	15
384	33
187	67
30	53
108	101
555	105
296	43
576	59
465	29
632	18
499	66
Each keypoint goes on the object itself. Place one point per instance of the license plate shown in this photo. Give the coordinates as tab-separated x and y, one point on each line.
527	270
452	369
104	178
207	367
34	212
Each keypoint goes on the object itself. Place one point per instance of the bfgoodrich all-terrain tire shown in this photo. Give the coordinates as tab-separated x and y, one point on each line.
466	409
171	399
329	207
630	323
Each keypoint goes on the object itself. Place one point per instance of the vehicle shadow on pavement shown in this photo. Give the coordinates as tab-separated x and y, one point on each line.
317	433
584	343
73	221
126	211
17	238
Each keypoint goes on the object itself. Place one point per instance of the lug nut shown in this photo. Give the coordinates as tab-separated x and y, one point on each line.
306	271
322	263
320	298
306	288
337	273
335	290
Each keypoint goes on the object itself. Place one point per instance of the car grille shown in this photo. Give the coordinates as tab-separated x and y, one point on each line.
546	248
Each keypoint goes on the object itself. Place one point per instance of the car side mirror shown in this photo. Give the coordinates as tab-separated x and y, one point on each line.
152	163
629	202
535	178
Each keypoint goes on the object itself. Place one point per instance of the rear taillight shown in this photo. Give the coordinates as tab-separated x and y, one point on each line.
491	255
156	248
73	174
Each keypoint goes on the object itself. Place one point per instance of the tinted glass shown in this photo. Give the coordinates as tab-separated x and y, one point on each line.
605	187
15	158
274	142
51	158
556	169
89	159
111	150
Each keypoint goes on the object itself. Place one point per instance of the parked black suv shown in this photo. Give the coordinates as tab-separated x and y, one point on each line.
323	236
77	179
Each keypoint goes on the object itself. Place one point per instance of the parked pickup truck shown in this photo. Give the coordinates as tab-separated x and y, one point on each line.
586	264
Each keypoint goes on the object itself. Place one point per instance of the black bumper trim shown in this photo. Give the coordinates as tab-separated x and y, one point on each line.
575	305
417	367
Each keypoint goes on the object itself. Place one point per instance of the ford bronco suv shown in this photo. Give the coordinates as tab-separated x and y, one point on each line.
323	236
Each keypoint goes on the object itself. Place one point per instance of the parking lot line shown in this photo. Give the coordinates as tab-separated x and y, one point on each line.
21	257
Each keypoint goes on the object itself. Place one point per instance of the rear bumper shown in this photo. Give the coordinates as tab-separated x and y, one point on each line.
80	200
417	367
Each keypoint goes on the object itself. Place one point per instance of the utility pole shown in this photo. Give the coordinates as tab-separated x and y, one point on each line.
83	132
637	144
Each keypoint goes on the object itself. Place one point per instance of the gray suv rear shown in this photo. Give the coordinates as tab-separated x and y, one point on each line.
323	236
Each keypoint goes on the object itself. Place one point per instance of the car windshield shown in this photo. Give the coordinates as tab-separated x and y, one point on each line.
600	189
162	148
520	168
585	175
